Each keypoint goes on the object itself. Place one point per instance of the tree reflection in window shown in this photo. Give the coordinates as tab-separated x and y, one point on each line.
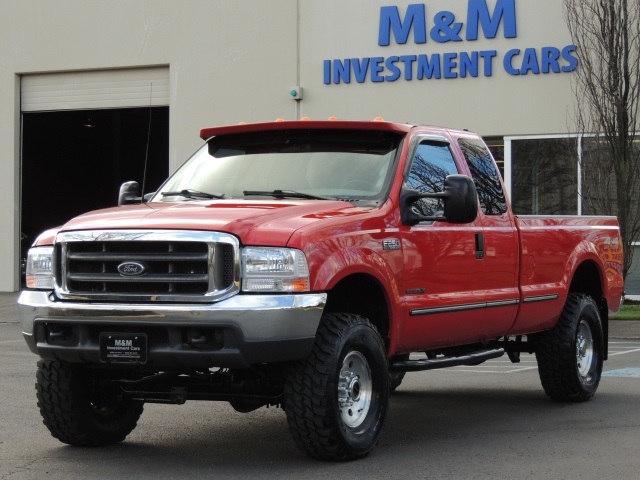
544	176
432	162
485	176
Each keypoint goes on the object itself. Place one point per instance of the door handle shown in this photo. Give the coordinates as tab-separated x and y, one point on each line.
479	245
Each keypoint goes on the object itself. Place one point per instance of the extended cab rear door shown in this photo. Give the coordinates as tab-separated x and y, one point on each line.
499	245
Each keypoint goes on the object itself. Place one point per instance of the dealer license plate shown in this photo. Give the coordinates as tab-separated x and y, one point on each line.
123	347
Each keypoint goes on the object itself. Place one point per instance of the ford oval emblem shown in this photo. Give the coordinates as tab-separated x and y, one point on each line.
132	269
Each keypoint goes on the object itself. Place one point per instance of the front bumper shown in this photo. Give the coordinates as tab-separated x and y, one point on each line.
238	332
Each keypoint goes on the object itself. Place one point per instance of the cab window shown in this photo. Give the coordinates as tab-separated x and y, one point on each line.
485	175
431	163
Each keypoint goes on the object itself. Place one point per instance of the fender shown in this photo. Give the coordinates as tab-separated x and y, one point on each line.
46	238
585	251
576	244
345	259
606	254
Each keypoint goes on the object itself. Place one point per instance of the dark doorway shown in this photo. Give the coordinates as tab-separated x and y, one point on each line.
75	161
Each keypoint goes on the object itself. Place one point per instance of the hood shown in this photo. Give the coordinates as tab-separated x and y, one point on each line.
266	222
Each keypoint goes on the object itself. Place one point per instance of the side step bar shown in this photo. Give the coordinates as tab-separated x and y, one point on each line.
443	362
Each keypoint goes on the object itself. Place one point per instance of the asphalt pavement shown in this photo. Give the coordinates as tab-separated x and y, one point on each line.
490	421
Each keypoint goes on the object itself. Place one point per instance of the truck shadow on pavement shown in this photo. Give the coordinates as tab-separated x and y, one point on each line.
173	441
463	411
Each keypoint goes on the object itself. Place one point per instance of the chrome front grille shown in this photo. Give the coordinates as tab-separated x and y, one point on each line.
145	265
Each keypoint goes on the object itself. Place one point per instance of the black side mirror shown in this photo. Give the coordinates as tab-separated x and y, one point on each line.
129	193
460	202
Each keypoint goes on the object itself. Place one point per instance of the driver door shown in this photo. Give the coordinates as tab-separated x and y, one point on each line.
443	282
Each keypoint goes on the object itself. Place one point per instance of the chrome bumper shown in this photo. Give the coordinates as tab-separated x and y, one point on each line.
255	328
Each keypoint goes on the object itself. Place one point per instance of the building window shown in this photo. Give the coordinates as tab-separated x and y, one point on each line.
632	282
496	147
598	181
544	176
598	178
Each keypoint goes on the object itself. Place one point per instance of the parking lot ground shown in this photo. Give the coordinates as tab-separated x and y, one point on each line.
492	421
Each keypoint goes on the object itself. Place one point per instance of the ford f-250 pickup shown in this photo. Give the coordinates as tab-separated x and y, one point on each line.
301	264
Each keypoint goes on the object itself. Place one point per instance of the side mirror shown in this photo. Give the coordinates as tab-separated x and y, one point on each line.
460	202
129	193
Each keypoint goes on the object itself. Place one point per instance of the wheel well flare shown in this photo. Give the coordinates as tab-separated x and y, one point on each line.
362	295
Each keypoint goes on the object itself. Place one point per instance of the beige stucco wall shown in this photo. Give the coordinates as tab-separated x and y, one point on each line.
497	105
228	60
234	61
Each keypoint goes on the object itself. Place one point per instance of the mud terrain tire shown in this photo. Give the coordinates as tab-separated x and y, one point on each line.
337	398
76	412
570	355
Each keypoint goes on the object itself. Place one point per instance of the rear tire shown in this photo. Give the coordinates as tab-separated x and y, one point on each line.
76	412
336	400
570	355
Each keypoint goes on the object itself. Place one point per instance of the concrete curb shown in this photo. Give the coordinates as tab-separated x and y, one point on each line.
624	329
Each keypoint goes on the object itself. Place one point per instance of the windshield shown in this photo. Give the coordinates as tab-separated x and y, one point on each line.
341	164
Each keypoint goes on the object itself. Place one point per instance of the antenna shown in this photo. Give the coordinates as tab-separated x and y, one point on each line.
146	155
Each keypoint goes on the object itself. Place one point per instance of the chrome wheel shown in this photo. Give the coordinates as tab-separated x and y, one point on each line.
355	389
584	351
570	355
337	398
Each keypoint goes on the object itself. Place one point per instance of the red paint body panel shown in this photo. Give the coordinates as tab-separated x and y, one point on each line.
437	291
440	258
350	244
552	248
254	222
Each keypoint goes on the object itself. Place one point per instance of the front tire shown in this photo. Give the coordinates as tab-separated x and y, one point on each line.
336	400
395	378
78	413
570	355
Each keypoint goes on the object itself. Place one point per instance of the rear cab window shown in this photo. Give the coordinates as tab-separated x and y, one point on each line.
485	175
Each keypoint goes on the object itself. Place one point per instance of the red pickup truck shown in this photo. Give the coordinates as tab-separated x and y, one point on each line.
304	264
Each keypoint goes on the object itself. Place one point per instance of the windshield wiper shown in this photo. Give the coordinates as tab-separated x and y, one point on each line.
189	193
285	194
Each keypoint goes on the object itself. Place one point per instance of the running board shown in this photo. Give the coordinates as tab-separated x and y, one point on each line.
474	358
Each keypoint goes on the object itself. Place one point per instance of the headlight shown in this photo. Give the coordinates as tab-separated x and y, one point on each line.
40	268
266	269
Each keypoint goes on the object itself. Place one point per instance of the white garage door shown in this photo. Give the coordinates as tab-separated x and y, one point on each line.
96	89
